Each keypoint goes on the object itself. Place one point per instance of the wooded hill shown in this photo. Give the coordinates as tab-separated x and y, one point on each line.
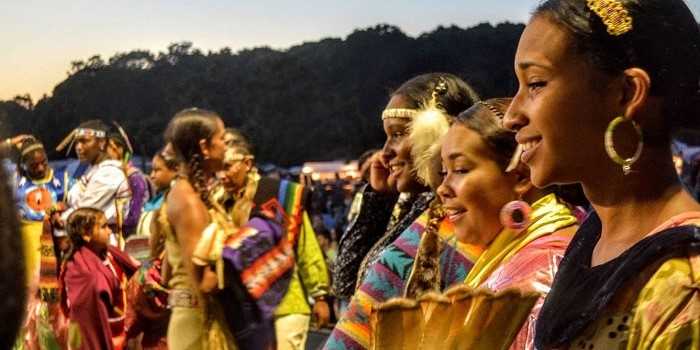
316	101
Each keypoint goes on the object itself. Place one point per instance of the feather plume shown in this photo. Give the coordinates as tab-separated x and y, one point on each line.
426	131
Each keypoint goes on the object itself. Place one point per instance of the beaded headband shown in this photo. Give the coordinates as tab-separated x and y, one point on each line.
90	132
402	113
68	141
515	159
493	109
32	148
613	14
407	113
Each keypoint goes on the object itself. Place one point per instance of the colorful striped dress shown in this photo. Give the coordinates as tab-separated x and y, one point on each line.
387	277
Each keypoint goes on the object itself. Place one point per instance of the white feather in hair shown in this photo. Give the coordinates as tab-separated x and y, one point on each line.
428	127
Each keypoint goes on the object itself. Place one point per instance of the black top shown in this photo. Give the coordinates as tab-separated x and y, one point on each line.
359	237
580	292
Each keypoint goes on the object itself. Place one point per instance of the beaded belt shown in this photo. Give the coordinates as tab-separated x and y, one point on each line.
182	298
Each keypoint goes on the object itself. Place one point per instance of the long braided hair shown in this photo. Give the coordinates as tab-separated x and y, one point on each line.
184	132
425	276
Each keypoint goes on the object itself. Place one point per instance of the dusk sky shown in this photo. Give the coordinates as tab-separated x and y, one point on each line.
41	38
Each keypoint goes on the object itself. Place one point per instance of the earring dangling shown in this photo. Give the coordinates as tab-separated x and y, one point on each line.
515	215
610	144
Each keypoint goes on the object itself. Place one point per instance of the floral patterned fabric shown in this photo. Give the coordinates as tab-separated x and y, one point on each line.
655	306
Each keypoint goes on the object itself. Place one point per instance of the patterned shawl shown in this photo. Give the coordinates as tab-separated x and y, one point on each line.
386	279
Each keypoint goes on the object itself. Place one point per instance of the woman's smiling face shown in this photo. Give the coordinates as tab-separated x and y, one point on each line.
561	109
474	186
396	154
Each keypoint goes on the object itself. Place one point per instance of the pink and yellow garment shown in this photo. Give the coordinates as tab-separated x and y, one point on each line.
506	286
527	262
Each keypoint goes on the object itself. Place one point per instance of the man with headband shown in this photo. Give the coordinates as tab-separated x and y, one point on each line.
104	185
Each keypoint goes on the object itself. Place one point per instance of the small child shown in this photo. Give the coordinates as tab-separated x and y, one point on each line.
92	281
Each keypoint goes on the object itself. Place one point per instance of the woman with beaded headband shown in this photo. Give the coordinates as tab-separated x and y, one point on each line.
520	232
603	85
197	139
412	124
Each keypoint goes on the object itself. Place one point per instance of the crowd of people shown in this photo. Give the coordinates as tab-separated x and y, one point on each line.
551	219
202	251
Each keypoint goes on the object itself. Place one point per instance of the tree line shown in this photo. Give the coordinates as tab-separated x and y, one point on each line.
315	101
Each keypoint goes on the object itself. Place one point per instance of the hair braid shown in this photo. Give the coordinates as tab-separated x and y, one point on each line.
197	178
425	276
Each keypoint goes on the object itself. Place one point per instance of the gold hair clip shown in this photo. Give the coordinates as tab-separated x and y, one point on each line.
403	113
613	14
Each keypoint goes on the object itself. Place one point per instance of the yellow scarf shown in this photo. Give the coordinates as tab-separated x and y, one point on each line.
548	216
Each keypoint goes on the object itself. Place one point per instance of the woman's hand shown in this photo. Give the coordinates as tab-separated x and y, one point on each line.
17	140
321	312
379	175
209	281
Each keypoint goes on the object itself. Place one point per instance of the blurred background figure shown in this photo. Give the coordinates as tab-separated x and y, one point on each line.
12	275
686	158
38	194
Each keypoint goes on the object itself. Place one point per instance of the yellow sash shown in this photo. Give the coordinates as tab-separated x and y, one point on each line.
548	216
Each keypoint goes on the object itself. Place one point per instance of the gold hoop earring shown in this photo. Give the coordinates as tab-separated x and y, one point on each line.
610	145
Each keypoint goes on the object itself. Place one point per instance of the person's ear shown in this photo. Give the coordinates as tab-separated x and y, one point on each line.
204	148
102	143
636	89
248	164
522	183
